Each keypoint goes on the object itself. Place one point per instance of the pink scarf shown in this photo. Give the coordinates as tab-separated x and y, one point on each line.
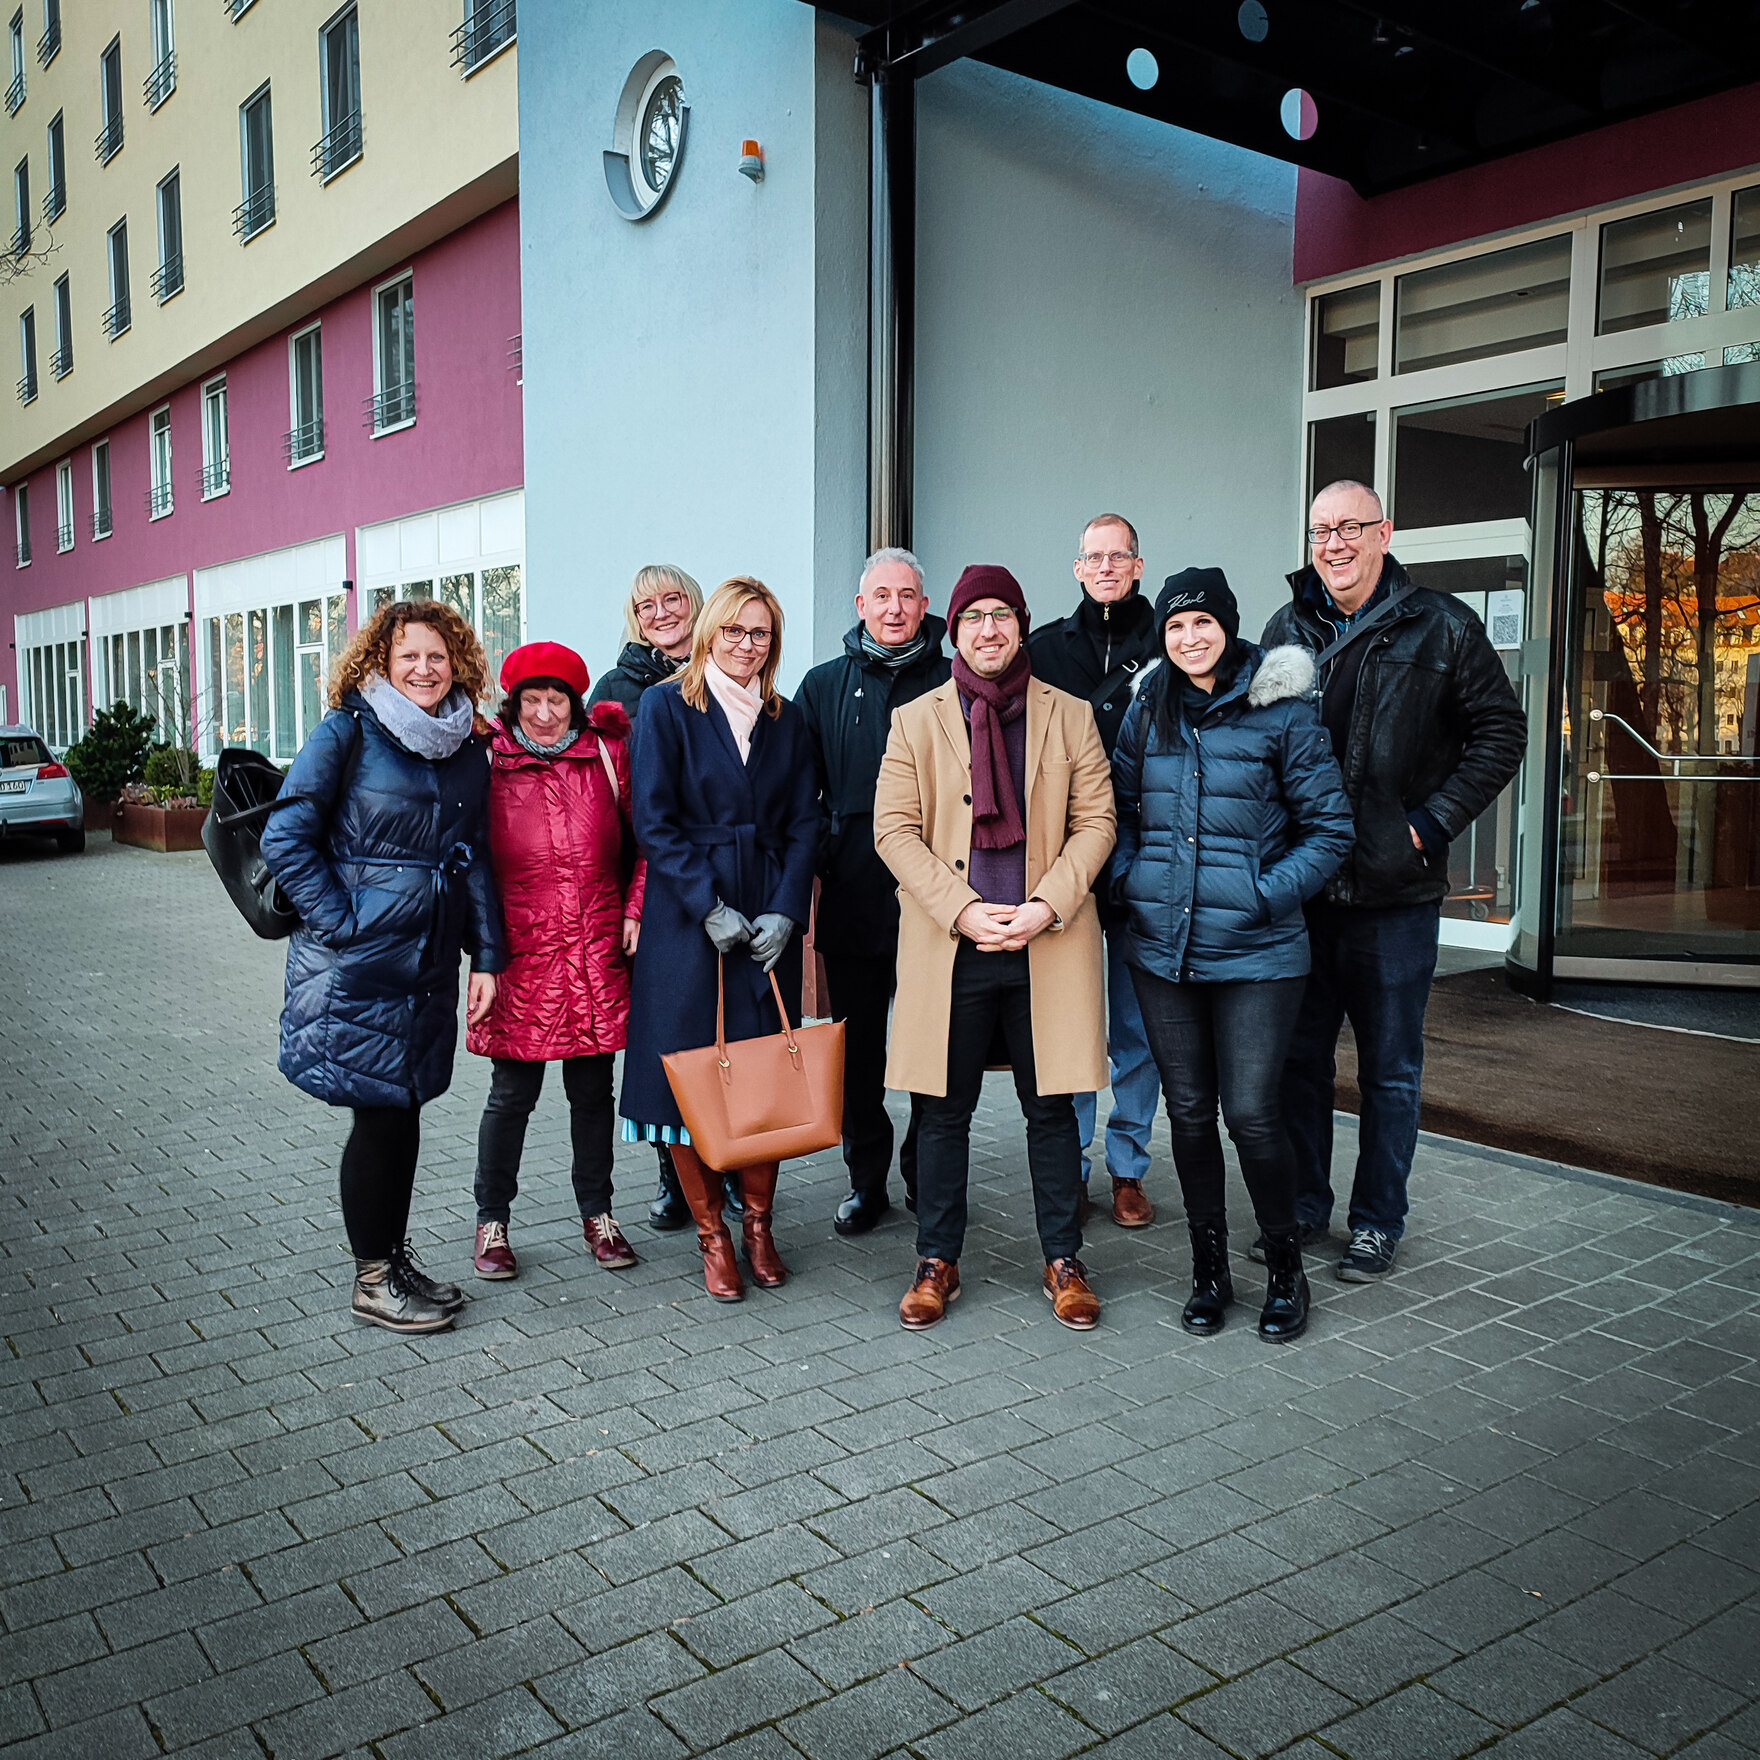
740	703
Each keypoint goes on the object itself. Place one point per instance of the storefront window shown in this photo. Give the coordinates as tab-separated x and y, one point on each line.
1613	377
1484	305
1347	336
1460	462
1341	446
1744	248
1655	268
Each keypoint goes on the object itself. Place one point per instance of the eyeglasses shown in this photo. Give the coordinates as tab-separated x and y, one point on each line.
1003	618
1348	529
735	637
648	609
1118	558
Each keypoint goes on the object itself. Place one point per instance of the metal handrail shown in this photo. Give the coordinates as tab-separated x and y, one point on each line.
158	500
27	388
54	203
1675	758
304	442
216	478
64	536
61	362
15	94
117	319
339	148
21	237
168	277
392	407
103	524
162	81
488	29
49	43
109	141
255	212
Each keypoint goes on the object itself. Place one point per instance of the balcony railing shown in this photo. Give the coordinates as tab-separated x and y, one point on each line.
27	388
21	238
338	149
49	43
487	28
158	500
162	81
102	525
15	94
61	361
394	405
236	9
168	278
304	442
64	536
216	478
54	203
109	141
255	212
117	319
24	552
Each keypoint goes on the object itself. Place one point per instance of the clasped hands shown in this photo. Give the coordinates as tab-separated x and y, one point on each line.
767	938
1004	928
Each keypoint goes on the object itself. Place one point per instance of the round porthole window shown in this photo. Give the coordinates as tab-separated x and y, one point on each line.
647	145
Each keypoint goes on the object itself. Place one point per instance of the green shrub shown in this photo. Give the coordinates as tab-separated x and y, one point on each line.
174	768
205	788
112	753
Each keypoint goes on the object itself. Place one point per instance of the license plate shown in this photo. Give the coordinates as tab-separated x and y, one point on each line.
13	787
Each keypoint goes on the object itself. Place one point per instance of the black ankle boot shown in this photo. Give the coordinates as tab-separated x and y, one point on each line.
669	1210
1212	1287
1285	1314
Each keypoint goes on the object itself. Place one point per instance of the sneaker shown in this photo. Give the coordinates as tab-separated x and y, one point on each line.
385	1297
925	1302
493	1258
1072	1301
446	1295
606	1239
1369	1257
1310	1234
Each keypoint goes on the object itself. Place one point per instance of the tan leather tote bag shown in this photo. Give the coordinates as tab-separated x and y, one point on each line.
757	1100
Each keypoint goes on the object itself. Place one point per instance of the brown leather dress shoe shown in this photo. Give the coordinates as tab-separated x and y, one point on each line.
1072	1301
1130	1207
936	1284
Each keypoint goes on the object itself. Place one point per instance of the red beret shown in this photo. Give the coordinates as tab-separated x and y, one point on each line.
986	580
544	660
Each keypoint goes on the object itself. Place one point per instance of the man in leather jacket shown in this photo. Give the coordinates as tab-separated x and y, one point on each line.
1427	731
1102	651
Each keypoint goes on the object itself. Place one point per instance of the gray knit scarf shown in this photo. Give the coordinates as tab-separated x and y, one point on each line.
538	751
427	736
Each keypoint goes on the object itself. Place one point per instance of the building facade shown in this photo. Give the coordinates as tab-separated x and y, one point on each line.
270	316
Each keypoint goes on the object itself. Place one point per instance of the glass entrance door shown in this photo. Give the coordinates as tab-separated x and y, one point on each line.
1659	850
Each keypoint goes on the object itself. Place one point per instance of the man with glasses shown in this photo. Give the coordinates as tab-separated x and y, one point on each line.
1101	652
1427	730
891	657
994	811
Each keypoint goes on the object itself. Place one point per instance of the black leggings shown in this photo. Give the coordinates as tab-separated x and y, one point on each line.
501	1138
1225	1042
378	1176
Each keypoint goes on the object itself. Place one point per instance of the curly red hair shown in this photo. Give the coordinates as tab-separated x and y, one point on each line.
370	651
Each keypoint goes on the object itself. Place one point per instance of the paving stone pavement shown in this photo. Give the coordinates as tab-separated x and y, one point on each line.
1508	1501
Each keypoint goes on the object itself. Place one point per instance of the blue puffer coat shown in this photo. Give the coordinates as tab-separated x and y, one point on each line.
385	856
1221	838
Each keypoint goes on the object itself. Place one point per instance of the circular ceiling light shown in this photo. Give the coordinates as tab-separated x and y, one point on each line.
647	142
1299	114
1254	21
1142	69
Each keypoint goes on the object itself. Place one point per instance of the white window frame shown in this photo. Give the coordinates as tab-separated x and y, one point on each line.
248	188
31	380
159	483
64	506
293	410
61	362
329	118
119	230
171	181
55	161
216	481
103	501
379	386
21	525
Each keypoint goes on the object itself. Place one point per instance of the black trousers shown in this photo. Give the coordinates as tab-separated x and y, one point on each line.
992	994
501	1138
378	1177
861	997
1226	1042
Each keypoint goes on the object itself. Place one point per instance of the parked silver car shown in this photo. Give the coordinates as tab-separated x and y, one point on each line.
38	798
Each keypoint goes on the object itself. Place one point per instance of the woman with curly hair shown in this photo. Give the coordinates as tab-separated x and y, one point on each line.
380	843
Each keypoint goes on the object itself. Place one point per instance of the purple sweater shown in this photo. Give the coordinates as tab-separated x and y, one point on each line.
999	876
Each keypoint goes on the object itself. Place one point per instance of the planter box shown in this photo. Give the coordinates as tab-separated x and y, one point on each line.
160	828
100	815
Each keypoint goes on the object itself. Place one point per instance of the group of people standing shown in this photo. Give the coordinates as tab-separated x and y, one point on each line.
1129	849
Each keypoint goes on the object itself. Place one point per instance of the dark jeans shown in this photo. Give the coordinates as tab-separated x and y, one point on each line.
1225	1042
501	1138
378	1176
1374	969
861	997
992	993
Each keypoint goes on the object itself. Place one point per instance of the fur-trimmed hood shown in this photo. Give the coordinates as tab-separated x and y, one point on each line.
1282	673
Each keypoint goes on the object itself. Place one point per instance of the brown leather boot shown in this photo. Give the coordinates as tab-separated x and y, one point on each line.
702	1191
759	1186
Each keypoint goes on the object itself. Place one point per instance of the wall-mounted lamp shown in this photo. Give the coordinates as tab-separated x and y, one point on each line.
751	161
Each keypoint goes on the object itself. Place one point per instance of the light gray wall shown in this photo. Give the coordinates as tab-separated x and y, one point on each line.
1105	321
694	383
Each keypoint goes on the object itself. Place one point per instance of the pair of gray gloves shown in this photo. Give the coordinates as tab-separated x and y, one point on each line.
767	938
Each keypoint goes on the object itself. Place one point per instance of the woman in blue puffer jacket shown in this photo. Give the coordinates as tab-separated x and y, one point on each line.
1231	812
380	842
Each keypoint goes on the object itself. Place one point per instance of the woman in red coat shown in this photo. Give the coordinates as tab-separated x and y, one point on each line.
563	852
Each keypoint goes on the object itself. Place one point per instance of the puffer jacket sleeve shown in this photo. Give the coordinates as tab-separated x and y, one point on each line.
296	839
1319	811
1127	791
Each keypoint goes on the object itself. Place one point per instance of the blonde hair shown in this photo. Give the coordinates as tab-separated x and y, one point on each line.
658	577
370	651
725	604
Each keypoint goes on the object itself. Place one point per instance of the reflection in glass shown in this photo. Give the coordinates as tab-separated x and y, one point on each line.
1660	837
1655	268
1493	304
459	591
1636	375
311	688
1347	336
1744	248
1462	461
234	730
503	615
257	679
284	727
417	590
337	624
1341	446
1741	353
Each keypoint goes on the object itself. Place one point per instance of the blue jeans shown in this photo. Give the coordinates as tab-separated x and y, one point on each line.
1374	969
1136	1087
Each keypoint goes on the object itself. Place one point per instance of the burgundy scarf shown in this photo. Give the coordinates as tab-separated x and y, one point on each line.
992	703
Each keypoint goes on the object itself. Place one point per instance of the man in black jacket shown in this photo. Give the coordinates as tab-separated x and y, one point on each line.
1101	652
892	656
1427	730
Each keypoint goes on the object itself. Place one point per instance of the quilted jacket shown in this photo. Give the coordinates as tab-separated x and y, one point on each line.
557	835
384	855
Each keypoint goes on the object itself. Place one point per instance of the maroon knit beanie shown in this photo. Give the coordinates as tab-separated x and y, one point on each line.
988	580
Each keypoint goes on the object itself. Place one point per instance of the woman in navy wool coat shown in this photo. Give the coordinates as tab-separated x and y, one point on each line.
1231	812
379	842
727	816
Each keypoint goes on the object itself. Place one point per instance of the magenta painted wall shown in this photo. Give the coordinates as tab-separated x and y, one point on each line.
1337	230
466	441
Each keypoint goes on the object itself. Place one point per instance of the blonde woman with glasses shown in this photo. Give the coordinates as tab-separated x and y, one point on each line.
727	815
658	618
